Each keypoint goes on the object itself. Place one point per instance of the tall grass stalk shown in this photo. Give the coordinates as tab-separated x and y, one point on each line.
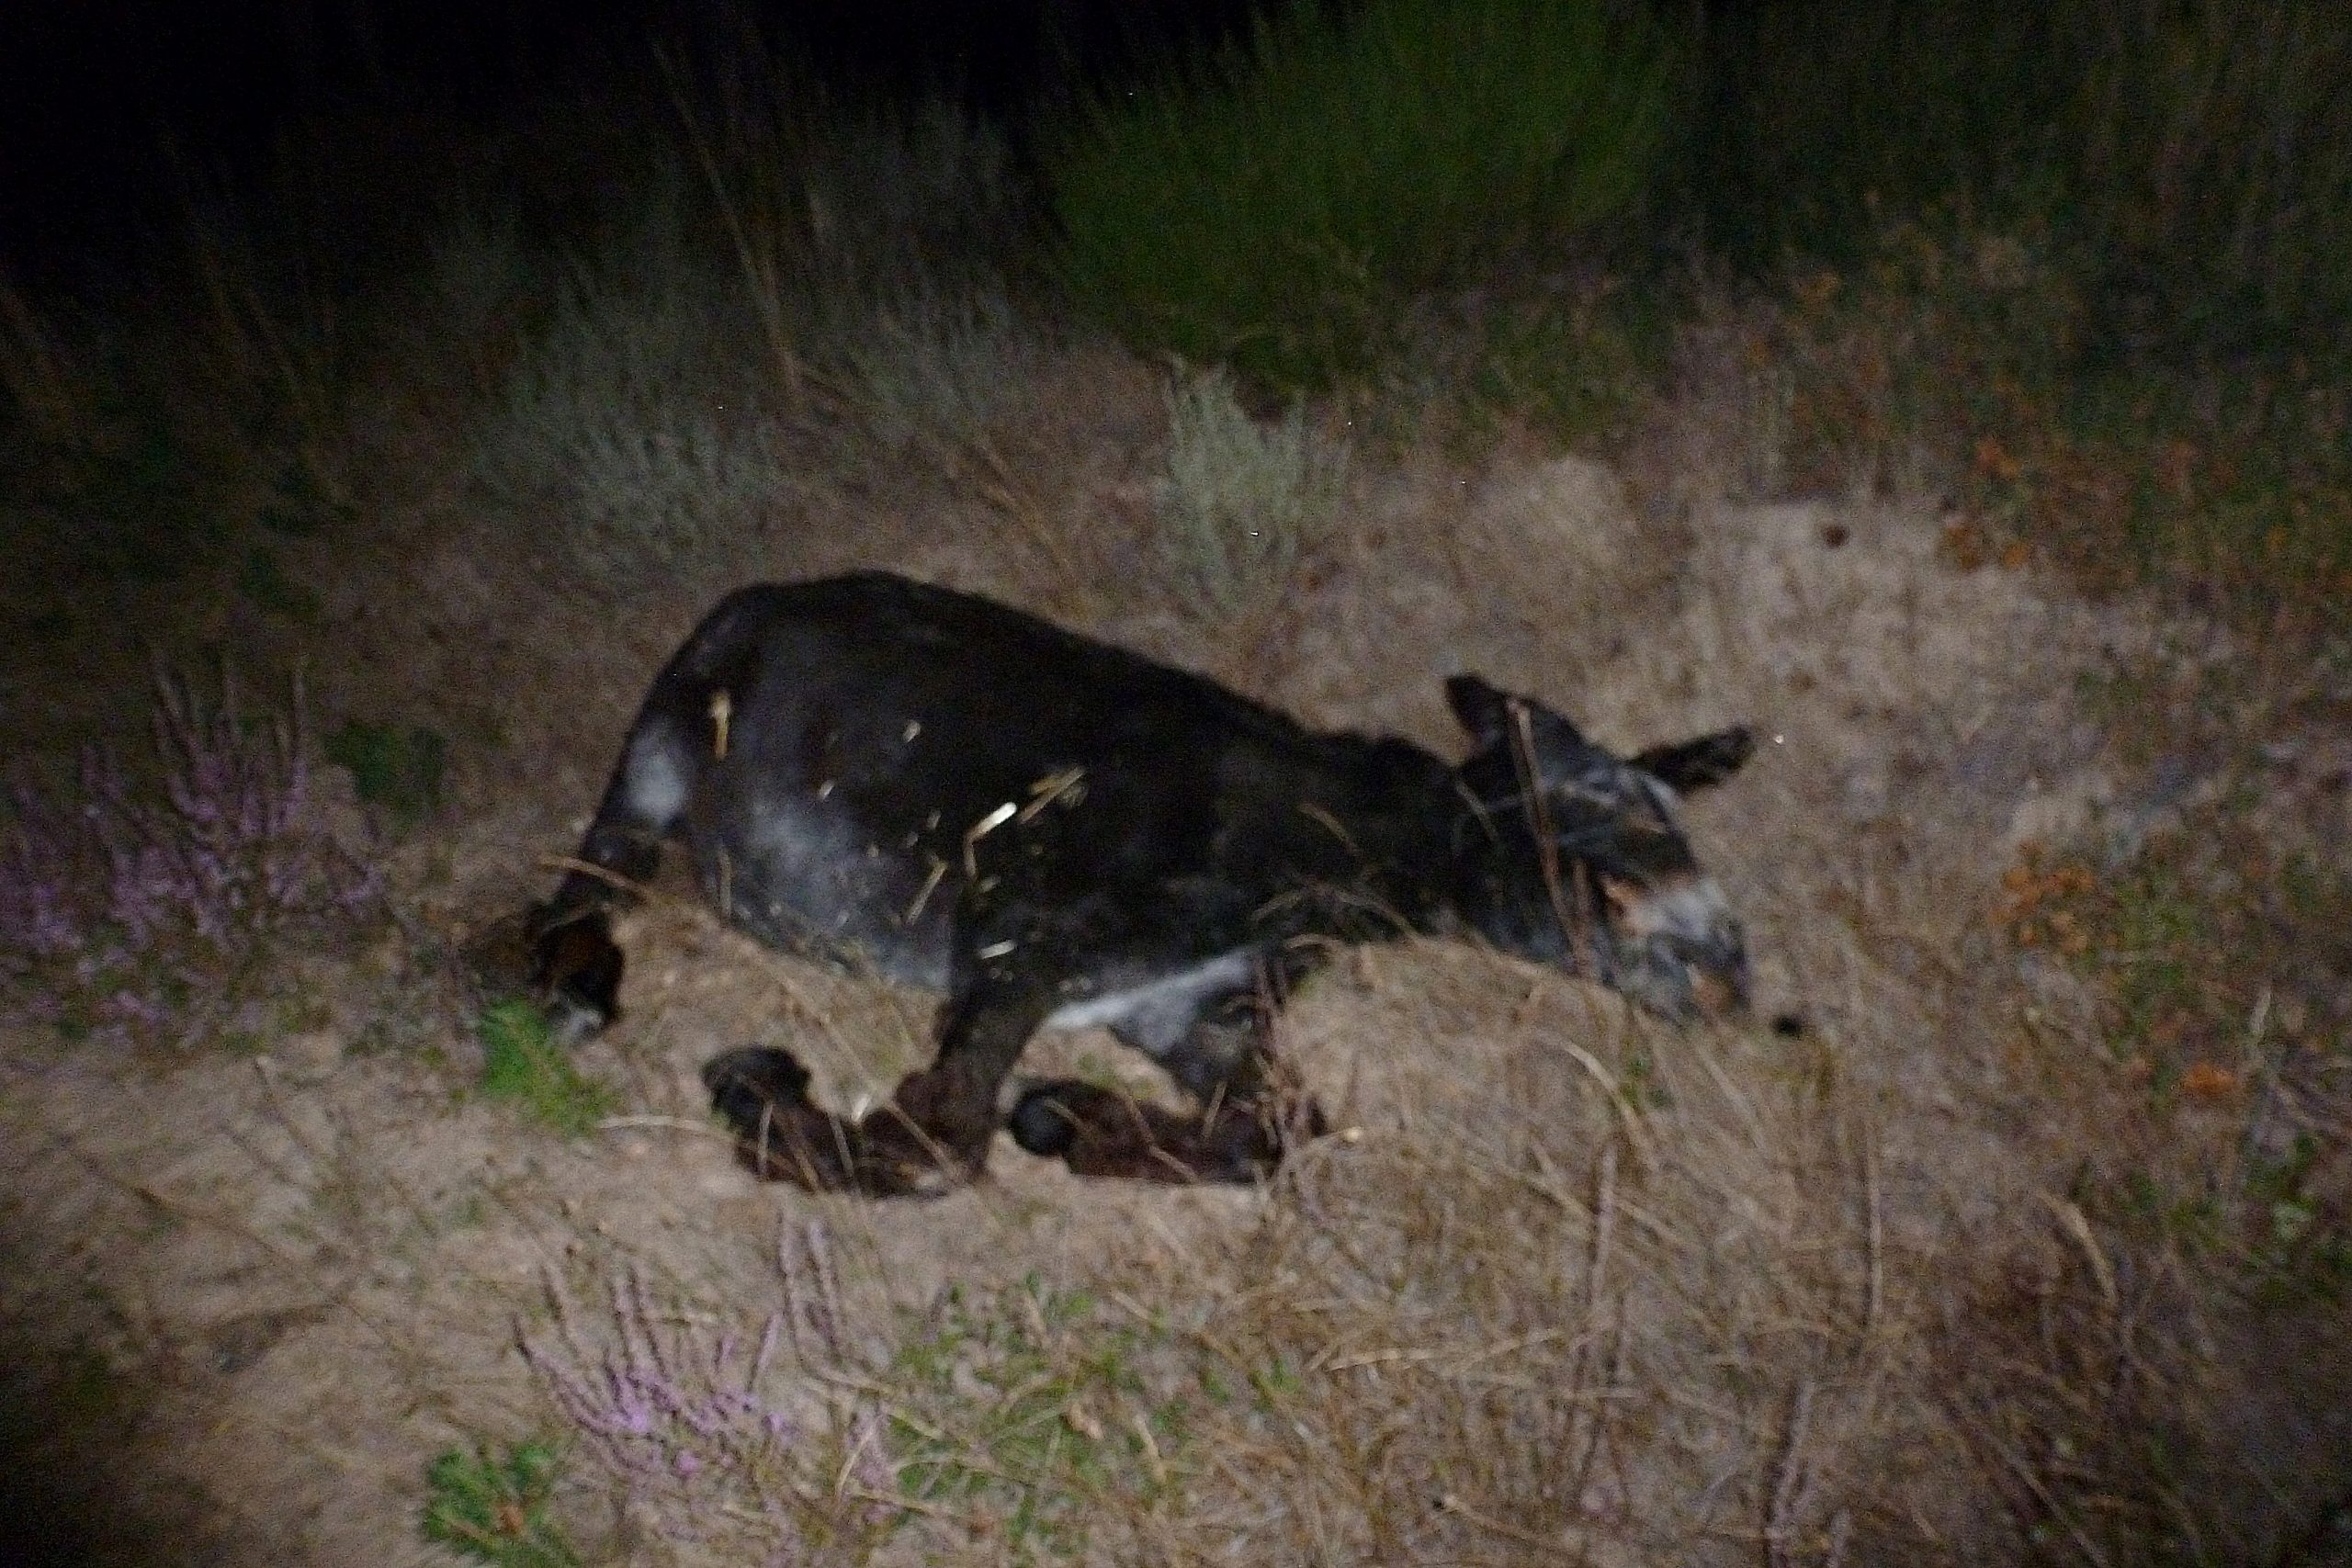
281	336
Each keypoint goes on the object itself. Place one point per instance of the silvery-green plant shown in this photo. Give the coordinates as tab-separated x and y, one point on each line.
1241	501
931	370
630	412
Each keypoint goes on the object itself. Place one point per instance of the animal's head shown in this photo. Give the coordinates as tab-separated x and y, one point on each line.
1579	858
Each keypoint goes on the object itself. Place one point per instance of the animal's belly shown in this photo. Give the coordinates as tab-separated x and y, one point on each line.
1156	1009
809	881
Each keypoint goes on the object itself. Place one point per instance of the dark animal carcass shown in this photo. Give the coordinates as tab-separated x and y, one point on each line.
1058	833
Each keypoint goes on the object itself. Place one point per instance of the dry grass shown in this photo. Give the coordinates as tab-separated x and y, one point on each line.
1942	1278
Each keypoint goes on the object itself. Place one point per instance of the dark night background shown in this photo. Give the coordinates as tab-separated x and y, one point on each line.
92	94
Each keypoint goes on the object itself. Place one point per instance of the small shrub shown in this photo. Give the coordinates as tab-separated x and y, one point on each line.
630	411
1273	208
689	1427
149	908
494	1510
611	419
1574	360
522	1063
1241	501
930	372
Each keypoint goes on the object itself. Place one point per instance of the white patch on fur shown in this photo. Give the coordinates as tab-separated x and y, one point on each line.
1695	910
657	786
1158	1014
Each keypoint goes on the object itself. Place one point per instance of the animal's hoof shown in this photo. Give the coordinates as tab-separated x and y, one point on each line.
749	1086
1097	1132
574	968
1042	1125
763	1094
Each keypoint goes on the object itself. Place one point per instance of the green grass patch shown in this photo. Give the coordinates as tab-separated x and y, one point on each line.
1033	1406
1273	206
494	1508
522	1064
398	770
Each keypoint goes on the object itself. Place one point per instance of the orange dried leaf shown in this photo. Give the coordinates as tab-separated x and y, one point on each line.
2208	1081
1965	543
1994	460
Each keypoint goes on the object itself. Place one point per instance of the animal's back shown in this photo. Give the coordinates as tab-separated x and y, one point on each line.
892	747
890	650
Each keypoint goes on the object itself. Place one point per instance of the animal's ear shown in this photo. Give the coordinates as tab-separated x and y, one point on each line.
1484	712
1478	708
1698	762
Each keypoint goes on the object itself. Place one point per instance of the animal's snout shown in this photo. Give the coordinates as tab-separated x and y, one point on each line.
1719	983
1686	954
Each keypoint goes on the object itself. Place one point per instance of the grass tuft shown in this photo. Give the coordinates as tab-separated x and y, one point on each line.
522	1063
1036	1408
494	1509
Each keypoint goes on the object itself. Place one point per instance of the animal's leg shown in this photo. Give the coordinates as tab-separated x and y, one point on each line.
1252	1114
575	966
934	1134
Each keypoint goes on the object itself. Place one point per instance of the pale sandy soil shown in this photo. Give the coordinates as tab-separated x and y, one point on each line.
305	1269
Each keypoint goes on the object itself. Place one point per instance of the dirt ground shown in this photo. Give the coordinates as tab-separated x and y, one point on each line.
273	1284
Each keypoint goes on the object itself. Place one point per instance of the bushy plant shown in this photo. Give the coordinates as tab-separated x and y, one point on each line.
1273	206
146	907
1240	499
931	371
691	1427
618	417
